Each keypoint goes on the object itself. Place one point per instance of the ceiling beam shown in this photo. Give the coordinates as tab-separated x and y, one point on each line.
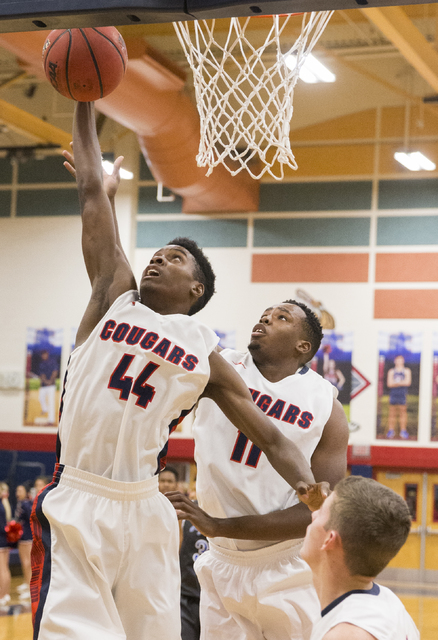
400	30
32	127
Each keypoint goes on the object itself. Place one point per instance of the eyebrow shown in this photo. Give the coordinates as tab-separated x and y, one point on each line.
284	309
180	249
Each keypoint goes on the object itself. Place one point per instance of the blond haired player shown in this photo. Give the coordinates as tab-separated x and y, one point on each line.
351	539
105	553
254	585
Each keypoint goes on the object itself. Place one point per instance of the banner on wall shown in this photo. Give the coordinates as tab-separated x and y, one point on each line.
227	339
43	364
333	362
398	386
434	425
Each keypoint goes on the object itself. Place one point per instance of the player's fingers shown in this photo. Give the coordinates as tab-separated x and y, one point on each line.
116	167
70	169
302	488
68	156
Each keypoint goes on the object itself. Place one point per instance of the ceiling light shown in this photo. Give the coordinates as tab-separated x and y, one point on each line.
312	70
124	173
414	161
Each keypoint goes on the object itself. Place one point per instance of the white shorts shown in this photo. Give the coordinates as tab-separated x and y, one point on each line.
104	560
265	594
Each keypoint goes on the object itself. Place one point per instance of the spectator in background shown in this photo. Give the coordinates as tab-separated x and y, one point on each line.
168	479
193	544
40	483
22	515
5	517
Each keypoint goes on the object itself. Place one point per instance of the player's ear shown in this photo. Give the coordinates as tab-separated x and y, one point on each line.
304	347
331	541
198	289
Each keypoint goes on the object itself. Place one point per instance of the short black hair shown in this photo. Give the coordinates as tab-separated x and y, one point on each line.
171	470
312	326
203	272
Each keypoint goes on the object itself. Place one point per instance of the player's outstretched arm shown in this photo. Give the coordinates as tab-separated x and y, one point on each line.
230	393
111	184
329	462
107	267
287	524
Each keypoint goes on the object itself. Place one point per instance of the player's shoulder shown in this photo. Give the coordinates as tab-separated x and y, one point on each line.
130	297
235	357
347	631
308	375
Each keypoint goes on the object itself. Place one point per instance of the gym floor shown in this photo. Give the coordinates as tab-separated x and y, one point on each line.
420	600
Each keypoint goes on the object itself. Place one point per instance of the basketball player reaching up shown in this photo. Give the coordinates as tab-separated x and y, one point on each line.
254	585
360	527
105	553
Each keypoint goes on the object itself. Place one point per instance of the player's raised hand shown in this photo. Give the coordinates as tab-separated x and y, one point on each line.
111	181
188	510
313	494
69	163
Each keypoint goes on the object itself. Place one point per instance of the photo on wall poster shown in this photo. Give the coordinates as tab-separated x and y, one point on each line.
333	362
398	386
43	364
434	425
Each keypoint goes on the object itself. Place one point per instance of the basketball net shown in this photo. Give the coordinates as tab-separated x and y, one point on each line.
244	92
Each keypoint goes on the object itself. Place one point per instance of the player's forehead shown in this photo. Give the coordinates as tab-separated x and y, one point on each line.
326	506
172	248
292	310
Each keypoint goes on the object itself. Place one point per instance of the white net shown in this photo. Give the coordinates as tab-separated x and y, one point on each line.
244	91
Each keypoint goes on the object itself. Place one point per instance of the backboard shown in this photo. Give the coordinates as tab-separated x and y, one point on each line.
28	15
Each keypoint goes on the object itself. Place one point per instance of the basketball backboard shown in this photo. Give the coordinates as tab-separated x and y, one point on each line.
28	15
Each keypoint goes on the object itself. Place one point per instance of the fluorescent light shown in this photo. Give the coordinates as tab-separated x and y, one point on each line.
312	70
124	173
414	161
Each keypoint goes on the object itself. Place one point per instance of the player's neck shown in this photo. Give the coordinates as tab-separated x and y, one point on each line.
333	584
164	307
275	371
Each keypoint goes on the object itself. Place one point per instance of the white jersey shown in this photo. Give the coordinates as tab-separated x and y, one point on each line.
234	477
377	611
127	387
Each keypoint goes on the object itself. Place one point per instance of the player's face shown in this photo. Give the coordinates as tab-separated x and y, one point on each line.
166	482
279	330
316	533
168	284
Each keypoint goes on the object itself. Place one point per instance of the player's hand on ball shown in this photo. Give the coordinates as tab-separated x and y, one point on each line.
313	494
188	510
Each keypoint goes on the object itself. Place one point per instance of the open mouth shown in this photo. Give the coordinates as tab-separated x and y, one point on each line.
258	330
152	272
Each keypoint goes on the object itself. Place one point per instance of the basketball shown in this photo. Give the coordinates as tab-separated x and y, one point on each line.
85	64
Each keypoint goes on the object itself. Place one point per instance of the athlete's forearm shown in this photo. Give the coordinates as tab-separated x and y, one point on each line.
88	157
287	524
287	460
278	525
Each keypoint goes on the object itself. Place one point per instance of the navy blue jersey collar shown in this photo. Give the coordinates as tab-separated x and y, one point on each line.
374	591
303	370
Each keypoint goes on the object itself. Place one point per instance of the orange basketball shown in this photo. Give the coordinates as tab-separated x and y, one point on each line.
85	64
